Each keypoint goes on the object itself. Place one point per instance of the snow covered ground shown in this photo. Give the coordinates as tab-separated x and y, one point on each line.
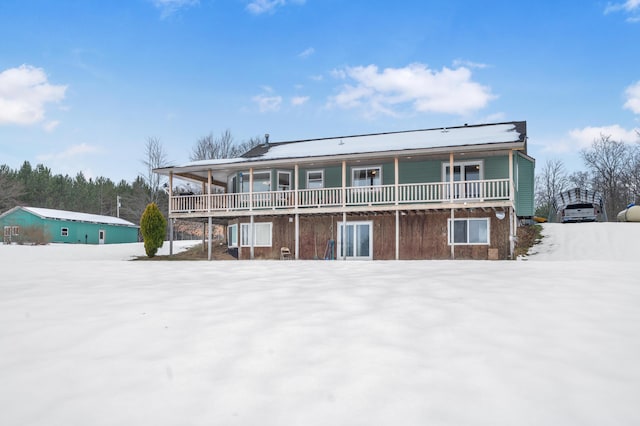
89	338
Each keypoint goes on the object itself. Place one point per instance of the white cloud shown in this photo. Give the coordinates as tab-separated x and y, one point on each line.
633	97
630	6
169	7
268	103
50	126
449	91
258	7
24	93
584	137
71	152
469	64
306	53
299	100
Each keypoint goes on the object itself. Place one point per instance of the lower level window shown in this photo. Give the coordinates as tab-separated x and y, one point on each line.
469	231
261	234
64	232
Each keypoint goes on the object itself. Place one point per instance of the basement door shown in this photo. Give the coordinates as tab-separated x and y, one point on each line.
358	240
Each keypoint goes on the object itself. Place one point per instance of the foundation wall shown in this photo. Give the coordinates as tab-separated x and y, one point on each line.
423	235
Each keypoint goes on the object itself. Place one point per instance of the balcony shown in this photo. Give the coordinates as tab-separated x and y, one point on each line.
431	195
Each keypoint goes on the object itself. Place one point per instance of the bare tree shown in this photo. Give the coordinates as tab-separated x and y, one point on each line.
609	162
549	183
580	179
632	177
209	148
10	189
155	157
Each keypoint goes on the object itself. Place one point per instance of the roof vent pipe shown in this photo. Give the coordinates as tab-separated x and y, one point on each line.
266	138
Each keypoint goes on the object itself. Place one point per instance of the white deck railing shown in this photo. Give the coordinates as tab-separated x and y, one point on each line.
413	193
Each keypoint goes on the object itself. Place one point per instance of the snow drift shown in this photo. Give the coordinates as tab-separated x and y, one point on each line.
88	338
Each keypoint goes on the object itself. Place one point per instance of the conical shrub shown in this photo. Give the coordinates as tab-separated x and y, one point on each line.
153	227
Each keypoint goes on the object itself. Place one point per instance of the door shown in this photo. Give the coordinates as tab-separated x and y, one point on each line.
101	235
470	174
355	242
7	234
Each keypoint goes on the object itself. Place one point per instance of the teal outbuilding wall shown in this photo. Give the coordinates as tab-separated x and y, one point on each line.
60	226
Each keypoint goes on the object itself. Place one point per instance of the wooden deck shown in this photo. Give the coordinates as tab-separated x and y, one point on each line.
438	195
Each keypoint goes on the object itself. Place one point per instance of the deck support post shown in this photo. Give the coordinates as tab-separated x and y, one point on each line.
251	230
512	215
397	235
297	236
169	212
209	212
210	233
451	195
343	236
170	237
344	213
397	199
296	172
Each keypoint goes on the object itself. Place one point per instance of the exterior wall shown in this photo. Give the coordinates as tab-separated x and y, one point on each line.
525	183
419	171
20	218
423	235
496	167
410	171
76	230
82	232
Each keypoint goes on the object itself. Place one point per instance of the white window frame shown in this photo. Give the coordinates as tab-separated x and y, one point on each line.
231	180
462	164
245	178
15	230
450	231
246	235
283	172
64	231
340	234
321	180
358	169
231	241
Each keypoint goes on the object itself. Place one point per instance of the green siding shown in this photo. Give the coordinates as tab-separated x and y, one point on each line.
76	230
332	176
524	197
496	167
420	171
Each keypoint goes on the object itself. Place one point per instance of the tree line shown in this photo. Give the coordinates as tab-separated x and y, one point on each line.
37	186
612	169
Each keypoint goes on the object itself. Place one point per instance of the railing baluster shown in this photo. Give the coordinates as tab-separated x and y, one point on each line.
491	189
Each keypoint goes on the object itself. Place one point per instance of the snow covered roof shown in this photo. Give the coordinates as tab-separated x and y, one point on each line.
510	135
76	216
395	141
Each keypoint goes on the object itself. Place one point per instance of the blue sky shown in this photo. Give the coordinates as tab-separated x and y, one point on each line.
83	83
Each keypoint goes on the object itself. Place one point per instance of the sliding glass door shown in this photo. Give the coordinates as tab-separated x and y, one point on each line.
355	241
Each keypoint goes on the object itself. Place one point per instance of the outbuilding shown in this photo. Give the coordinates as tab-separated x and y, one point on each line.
33	224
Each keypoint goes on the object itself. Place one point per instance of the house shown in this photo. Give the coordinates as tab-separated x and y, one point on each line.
444	193
24	224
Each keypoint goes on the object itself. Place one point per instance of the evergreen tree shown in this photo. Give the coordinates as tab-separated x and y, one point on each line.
153	227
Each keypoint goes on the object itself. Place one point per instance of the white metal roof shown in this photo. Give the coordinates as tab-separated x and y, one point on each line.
77	217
